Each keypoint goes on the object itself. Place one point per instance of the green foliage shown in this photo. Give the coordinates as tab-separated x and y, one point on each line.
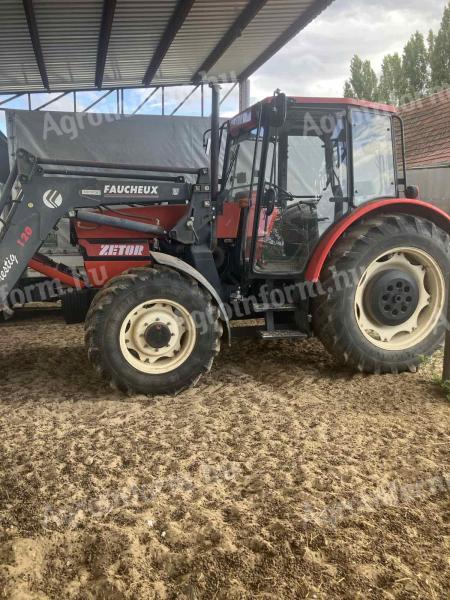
444	384
415	66
363	83
423	67
440	53
392	85
348	90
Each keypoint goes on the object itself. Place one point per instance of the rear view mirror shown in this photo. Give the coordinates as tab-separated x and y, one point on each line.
269	201
278	110
412	192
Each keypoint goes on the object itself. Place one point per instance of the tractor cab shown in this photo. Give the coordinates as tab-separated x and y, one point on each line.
297	166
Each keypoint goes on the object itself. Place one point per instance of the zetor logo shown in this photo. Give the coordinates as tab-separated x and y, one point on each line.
130	190
121	250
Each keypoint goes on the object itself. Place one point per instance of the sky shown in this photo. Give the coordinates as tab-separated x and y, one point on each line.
314	63
317	61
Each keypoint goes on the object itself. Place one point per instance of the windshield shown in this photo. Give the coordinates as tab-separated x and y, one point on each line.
236	180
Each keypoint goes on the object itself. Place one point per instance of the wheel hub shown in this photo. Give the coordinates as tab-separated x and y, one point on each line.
404	281
158	335
393	297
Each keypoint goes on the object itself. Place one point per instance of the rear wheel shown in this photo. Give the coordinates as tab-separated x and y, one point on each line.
153	331
384	294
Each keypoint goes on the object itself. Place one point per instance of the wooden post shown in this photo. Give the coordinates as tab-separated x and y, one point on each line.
446	372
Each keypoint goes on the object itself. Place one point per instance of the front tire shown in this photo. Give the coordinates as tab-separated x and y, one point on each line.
384	293
153	331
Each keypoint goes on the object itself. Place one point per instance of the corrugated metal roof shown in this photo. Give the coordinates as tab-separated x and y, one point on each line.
64	45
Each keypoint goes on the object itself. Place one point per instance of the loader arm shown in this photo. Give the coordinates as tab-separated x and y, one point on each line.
36	197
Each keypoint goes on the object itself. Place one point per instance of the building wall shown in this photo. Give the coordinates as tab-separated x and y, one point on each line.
434	184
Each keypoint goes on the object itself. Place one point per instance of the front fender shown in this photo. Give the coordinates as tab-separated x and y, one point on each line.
179	265
417	208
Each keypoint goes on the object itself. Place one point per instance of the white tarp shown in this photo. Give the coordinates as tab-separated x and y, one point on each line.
136	139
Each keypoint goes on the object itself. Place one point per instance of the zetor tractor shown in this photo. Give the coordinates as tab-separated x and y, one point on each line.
311	229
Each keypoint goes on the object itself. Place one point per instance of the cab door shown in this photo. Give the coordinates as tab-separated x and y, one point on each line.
302	190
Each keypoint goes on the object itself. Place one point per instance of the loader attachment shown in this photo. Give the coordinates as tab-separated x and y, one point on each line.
35	198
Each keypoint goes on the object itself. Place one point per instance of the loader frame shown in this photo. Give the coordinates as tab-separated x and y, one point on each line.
39	192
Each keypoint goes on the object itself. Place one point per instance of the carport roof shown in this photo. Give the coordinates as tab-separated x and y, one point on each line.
57	45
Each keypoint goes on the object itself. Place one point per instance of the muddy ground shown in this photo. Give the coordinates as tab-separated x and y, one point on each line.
281	475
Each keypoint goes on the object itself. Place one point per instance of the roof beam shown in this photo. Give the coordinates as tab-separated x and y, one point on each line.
10	98
184	100
52	100
235	31
230	91
97	101
305	19
146	99
34	35
179	16
109	8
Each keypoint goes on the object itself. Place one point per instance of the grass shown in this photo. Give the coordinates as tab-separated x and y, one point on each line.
444	384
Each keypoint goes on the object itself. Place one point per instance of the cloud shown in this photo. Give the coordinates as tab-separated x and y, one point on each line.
316	62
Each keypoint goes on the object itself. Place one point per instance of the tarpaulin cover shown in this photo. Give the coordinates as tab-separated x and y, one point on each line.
139	139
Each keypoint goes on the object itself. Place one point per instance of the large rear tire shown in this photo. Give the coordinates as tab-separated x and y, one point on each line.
384	292
153	331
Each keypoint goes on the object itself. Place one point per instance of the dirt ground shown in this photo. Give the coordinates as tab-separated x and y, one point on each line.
280	476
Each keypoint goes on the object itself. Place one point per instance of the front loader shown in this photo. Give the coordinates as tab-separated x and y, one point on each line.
311	229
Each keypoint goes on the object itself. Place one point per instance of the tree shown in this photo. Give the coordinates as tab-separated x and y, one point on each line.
392	85
440	53
363	83
348	90
415	66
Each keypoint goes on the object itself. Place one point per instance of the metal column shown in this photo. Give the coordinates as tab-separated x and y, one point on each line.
244	94
215	138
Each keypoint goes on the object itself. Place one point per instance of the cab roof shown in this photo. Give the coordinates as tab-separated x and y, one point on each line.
247	118
343	101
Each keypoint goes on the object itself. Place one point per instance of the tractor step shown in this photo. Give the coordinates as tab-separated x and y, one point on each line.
262	308
282	334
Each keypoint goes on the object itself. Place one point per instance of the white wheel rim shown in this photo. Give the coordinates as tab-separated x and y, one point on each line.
429	278
152	360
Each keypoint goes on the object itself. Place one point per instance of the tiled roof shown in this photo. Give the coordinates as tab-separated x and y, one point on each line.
427	130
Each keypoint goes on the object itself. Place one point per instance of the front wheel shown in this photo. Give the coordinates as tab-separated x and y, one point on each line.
153	331
384	293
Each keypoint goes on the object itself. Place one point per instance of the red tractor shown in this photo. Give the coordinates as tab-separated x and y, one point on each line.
311	227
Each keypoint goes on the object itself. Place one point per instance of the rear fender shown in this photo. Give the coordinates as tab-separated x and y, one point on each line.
179	265
418	208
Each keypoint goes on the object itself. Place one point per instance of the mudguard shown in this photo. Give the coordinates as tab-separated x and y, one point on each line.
417	208
175	263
